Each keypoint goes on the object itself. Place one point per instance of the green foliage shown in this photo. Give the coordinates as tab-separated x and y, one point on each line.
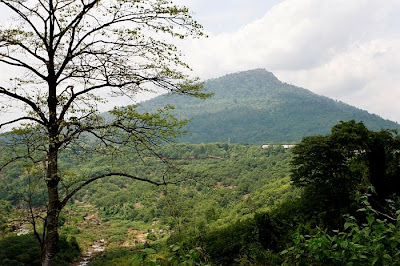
68	251
176	254
334	169
220	183
24	250
5	212
115	257
255	107
240	243
234	205
224	182
374	242
225	245
275	228
179	255
19	250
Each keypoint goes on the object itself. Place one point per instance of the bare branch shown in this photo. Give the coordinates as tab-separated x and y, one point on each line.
34	54
25	100
19	63
33	222
21	119
87	90
25	18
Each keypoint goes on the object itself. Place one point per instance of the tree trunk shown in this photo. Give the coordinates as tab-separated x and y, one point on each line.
50	243
49	249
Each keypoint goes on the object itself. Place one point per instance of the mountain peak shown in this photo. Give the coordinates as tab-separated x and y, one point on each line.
253	106
259	74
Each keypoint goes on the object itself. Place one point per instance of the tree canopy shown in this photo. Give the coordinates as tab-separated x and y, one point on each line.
337	168
69	56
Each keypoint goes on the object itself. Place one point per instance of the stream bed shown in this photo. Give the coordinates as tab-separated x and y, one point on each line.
97	247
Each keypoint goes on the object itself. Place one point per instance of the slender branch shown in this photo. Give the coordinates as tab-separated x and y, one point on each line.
116	20
20	119
44	230
20	63
34	54
35	108
28	155
386	215
76	21
73	25
92	179
382	213
25	18
33	222
14	160
87	90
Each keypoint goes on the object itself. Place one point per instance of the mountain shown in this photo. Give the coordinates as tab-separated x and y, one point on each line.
255	107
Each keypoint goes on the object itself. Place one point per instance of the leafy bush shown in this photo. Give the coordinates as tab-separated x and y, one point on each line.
25	250
5	211
275	228
225	245
375	242
69	251
179	255
20	250
115	256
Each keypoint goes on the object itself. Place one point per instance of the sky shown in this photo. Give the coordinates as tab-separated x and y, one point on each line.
345	50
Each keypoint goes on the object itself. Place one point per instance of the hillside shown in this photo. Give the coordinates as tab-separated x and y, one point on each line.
255	107
219	184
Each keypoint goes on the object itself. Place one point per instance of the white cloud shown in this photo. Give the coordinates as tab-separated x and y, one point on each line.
348	50
365	75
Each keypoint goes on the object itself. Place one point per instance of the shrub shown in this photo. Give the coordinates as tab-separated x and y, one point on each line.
225	245
25	250
375	242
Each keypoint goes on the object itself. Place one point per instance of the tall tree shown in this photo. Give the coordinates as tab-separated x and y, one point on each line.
68	55
334	168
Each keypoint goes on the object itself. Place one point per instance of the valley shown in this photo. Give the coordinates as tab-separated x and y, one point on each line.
264	169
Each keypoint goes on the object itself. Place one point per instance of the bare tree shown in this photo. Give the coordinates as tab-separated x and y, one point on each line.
69	54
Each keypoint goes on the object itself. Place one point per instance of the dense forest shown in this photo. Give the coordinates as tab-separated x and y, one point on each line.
332	199
255	99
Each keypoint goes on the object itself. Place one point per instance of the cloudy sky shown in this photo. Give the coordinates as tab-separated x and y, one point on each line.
346	50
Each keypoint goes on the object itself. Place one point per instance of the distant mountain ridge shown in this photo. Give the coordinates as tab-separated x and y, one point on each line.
255	107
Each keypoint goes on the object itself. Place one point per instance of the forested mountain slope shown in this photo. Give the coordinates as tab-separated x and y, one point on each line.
255	107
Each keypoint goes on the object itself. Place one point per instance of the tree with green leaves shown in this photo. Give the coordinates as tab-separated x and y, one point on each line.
335	169
68	56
